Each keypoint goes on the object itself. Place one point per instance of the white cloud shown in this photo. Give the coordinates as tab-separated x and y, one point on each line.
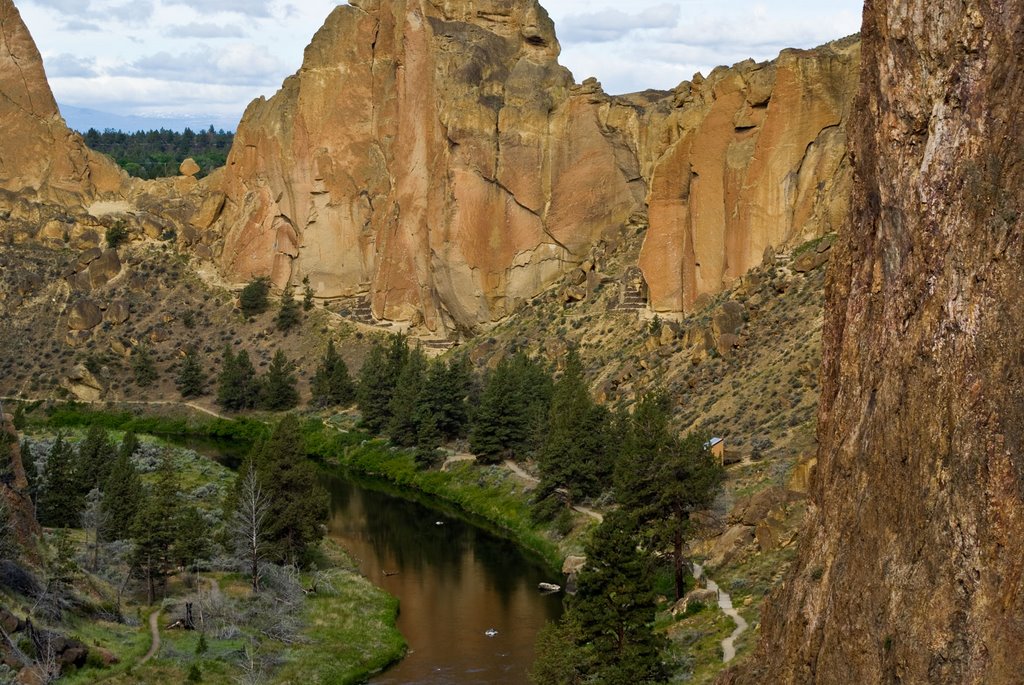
613	24
197	29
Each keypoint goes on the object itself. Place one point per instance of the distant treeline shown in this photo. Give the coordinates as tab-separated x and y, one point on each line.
155	154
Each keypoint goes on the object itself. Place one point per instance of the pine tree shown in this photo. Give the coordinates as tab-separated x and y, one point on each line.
512	413
60	500
615	607
155	529
307	294
237	387
31	473
403	428
278	387
122	493
297	502
377	381
575	454
253	298
332	386
143	367
663	480
193	538
289	315
191	379
444	396
94	458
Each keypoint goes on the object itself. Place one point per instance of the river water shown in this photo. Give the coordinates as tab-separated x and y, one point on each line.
455	582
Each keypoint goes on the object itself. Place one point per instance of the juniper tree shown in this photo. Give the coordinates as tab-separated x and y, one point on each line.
576	455
61	499
297	502
253	298
307	294
94	457
155	529
278	386
122	493
509	421
615	607
143	367
332	386
403	428
377	382
289	315
237	386
191	380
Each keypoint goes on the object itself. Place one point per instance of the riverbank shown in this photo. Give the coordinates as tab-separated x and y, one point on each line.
489	495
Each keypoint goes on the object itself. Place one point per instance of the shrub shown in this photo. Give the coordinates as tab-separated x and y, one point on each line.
253	298
117	235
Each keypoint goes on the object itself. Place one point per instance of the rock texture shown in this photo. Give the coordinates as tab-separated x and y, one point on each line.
912	568
435	159
40	155
755	159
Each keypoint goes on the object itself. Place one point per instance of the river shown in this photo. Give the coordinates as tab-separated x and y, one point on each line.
455	582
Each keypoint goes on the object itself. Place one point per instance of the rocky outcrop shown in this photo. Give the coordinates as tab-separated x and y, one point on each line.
433	156
755	158
41	157
15	494
912	569
435	159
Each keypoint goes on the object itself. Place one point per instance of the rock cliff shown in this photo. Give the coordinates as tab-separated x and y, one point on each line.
921	424
39	155
435	159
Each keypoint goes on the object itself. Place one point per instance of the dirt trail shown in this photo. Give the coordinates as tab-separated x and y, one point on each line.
154	630
137	403
725	604
456	459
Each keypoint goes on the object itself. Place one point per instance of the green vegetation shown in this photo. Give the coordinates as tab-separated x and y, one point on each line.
155	154
191	380
254	297
513	410
332	385
143	367
289	315
237	387
278	391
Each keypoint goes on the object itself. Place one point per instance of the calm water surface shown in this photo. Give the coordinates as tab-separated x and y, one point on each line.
455	581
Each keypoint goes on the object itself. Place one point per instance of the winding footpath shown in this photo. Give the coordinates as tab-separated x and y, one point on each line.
154	630
725	604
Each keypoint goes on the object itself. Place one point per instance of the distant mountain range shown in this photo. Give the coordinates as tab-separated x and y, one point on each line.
82	119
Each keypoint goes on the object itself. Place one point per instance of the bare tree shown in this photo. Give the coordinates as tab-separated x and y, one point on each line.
248	525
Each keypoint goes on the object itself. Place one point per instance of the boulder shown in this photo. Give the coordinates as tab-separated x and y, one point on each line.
803	472
90	256
809	261
573	564
84	315
104	269
731	543
189	167
83	384
754	509
117	312
702	595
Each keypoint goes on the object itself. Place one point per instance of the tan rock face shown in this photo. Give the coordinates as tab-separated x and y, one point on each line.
436	158
40	155
911	566
433	156
755	157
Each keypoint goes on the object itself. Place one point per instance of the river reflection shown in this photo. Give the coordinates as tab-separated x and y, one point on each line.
455	582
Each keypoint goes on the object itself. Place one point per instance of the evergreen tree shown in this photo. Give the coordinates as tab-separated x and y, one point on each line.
94	457
663	480
512	413
289	315
332	386
403	428
297	504
615	608
61	499
191	379
307	294
253	298
156	528
576	454
193	538
444	396
237	387
377	381
122	493
19	417
31	472
143	367
559	657
279	392
248	520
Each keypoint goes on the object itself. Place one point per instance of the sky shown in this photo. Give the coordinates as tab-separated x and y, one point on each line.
187	58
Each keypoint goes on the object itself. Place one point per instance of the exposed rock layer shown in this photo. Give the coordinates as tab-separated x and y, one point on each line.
435	158
912	569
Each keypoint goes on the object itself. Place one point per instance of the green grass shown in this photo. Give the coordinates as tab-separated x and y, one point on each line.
73	415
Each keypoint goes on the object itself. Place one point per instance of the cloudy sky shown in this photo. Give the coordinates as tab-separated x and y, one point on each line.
211	57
